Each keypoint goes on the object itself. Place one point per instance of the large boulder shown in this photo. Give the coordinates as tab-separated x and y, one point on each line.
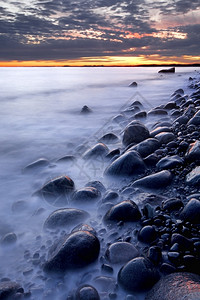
170	70
39	163
121	252
135	132
191	212
155	181
138	275
77	250
159	129
65	217
176	286
126	211
8	290
109	138
165	137
128	164
146	147
58	190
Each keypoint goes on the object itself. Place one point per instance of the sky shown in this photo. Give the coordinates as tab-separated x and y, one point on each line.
99	32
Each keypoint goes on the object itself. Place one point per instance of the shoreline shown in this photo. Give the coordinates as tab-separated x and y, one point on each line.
159	163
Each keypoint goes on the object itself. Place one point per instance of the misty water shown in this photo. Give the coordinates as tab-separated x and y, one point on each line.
40	118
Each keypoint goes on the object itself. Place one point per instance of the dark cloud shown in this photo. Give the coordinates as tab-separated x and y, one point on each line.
69	29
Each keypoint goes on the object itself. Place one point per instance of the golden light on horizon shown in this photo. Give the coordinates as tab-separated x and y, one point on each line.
105	61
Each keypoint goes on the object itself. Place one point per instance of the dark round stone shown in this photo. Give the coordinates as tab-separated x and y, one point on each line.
172	204
86	195
109	138
135	132
87	292
191	212
77	250
121	252
9	289
126	211
98	150
154	181
147	234
57	190
176	286
184	243
97	185
65	217
138	275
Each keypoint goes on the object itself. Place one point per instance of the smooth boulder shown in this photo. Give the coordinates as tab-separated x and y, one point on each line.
191	212
128	164
176	286
126	211
98	150
58	190
193	178
65	217
155	181
87	292
109	138
169	162
135	132
193	153
165	137
138	275
121	252
86	195
77	250
146	147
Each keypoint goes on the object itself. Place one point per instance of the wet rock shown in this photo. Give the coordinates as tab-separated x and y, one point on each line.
121	252
146	147
9	289
77	250
105	283
140	115
155	254
171	70
135	132
193	154
128	164
169	162
194	121
110	196
157	112
133	84
97	185
184	243
85	110
155	181
98	150
126	211
138	275
172	205
87	292
86	195
162	124
84	227
119	118
159	130
113	153
151	160
40	163
65	217
193	178
191	212
58	190
109	138
9	238
67	158
147	234
181	120
165	137
170	105
176	286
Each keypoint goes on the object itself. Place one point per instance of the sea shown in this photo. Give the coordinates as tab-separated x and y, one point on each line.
40	117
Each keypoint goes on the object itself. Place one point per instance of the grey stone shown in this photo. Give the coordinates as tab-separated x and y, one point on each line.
138	275
40	163
77	250
8	289
65	217
193	153
157	112
193	178
86	195
169	162
128	164
146	147
155	181
159	130
87	292
176	286
135	132
165	137
191	212
109	138
98	150
121	252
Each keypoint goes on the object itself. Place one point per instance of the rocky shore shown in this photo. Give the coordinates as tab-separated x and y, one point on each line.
144	241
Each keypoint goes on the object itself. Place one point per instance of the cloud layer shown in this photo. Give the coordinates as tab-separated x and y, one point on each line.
71	29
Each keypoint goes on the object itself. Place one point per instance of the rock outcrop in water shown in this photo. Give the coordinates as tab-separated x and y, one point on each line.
170	70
